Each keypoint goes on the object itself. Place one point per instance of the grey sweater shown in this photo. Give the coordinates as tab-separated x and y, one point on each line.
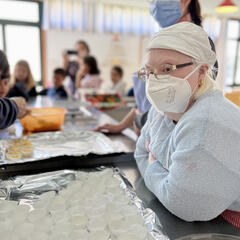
202	178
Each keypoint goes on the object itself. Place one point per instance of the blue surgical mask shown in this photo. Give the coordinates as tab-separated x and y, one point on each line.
166	13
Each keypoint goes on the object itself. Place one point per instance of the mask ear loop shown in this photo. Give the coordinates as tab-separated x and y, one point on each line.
209	73
199	65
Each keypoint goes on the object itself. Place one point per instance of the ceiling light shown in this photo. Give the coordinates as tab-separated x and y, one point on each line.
227	6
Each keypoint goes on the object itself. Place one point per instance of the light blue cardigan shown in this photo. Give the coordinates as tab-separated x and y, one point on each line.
204	161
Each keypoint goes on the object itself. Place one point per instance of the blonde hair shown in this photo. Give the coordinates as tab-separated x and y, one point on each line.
206	85
29	83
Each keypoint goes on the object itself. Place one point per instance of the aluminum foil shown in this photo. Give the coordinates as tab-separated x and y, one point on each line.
53	144
28	189
148	215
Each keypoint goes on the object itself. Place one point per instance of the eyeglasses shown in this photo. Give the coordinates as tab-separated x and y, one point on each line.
164	69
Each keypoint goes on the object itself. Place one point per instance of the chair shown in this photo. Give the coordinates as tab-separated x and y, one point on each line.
234	96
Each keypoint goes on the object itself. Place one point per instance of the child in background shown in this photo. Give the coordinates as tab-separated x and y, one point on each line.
23	82
58	91
117	83
88	74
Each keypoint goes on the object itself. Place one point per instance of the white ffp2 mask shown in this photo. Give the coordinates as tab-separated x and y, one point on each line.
169	94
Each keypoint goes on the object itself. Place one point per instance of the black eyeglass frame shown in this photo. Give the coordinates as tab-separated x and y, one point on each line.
173	68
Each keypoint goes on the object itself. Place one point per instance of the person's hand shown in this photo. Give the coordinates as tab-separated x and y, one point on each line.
151	159
22	106
65	56
136	129
83	70
147	145
80	61
80	75
111	128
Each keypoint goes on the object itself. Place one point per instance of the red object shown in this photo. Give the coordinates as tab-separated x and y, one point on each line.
227	3
232	217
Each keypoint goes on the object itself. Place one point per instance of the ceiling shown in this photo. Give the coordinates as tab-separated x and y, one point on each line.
207	6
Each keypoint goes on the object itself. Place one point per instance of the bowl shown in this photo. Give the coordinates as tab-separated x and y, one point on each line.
43	119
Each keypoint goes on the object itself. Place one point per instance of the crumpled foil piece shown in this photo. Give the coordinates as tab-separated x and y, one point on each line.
30	187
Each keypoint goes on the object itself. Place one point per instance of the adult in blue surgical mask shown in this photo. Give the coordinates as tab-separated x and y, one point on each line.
169	12
166	13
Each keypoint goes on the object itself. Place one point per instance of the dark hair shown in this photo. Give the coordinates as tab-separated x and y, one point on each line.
195	11
92	64
85	45
4	66
60	71
118	69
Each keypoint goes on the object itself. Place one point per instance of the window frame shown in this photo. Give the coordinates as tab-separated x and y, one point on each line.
236	60
5	22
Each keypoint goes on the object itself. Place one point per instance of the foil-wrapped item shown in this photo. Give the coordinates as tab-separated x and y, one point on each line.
32	186
28	189
54	144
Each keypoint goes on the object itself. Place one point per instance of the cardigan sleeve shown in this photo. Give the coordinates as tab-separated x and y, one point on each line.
197	187
8	112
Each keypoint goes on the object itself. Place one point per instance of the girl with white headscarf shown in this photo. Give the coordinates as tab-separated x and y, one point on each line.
188	152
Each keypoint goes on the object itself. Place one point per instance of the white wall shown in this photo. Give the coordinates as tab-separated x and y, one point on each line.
128	50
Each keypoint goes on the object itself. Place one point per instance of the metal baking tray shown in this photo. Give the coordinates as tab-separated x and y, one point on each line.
62	150
64	162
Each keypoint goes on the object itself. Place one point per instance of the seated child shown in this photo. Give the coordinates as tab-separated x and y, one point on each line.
57	91
23	82
88	76
117	83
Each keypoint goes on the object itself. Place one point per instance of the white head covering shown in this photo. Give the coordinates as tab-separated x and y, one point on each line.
187	38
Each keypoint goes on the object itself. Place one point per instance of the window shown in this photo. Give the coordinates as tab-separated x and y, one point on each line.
26	47
98	16
19	11
20	33
233	54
